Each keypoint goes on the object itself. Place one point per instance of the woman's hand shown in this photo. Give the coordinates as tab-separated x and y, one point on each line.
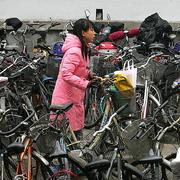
94	80
91	75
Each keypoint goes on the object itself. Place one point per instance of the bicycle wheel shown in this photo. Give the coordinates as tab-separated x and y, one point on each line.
152	102
40	169
173	106
9	166
155	91
69	167
93	113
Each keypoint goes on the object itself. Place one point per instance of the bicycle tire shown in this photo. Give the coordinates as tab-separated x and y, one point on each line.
153	102
8	166
156	92
93	114
40	168
70	166
173	106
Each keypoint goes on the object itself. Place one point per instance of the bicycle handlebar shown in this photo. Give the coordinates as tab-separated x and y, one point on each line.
151	57
15	61
29	64
110	120
23	123
122	34
167	128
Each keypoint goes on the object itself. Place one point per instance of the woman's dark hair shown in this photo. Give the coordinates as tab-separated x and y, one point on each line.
79	26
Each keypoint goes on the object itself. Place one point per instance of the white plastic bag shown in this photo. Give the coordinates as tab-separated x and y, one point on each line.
129	71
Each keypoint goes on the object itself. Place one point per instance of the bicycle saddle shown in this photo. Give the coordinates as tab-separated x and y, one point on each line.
151	159
15	148
61	107
58	152
98	164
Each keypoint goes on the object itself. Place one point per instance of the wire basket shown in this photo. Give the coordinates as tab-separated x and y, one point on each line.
154	71
52	68
138	147
10	119
46	142
102	66
144	73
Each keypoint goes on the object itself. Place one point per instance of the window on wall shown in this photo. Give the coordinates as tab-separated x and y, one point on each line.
99	14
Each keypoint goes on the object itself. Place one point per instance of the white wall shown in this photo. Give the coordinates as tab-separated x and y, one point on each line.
133	10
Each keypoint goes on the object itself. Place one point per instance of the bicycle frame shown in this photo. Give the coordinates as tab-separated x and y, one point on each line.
107	110
27	150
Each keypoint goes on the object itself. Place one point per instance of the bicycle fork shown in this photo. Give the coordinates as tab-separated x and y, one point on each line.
119	165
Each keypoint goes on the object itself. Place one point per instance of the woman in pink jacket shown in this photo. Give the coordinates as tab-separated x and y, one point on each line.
73	74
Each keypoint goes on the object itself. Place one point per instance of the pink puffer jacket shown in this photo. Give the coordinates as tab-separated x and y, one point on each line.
72	81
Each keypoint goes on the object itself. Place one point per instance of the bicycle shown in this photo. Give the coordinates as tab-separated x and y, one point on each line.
148	97
153	165
118	167
94	94
6	161
9	152
26	162
52	139
37	96
70	164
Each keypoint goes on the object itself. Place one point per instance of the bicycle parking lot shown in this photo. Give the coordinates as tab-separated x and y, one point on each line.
123	125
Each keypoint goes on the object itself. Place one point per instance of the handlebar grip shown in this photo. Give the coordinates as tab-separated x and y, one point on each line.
133	32
116	35
142	128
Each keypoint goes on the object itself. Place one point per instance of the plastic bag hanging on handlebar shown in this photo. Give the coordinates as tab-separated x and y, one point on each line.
129	71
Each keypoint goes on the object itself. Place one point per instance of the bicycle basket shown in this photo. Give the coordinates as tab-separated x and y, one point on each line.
154	71
11	119
138	147
52	68
144	73
46	142
118	100
103	65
